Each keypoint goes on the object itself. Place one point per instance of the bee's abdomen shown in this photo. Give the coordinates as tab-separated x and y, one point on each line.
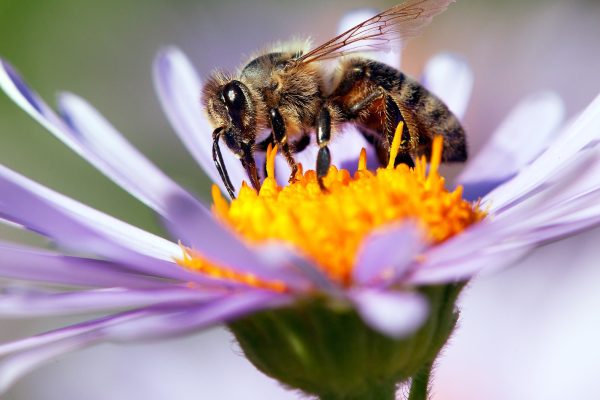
425	114
431	117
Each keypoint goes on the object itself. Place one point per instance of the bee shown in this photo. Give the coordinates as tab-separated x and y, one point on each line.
285	97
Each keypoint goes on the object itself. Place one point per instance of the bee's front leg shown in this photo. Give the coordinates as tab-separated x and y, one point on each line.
280	137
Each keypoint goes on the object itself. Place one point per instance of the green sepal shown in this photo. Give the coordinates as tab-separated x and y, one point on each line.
323	348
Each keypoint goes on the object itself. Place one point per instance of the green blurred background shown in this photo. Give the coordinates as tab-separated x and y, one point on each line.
103	50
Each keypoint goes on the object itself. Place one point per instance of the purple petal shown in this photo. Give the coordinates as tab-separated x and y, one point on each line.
345	149
584	132
451	79
463	268
94	139
393	313
24	355
116	157
523	135
179	90
84	229
568	203
191	319
215	242
387	253
460	249
20	302
19	262
14	367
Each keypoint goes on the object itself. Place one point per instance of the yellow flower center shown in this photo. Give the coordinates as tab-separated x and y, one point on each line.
329	226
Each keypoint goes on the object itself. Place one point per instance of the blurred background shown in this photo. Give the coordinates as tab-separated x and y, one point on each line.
526	333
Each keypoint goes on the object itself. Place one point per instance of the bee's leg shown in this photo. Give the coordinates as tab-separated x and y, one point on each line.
278	125
392	117
323	138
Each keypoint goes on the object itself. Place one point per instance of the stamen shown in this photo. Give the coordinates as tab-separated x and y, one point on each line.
362	160
330	227
395	145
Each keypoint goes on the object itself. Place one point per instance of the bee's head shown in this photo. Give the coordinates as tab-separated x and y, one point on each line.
232	110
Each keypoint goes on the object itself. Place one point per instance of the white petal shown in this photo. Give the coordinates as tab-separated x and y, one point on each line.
584	132
395	314
523	135
451	79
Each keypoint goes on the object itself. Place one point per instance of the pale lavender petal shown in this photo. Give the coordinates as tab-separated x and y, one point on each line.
393	57
486	236
394	313
81	228
569	205
203	233
190	320
573	194
450	78
523	135
94	139
387	253
307	158
66	333
24	263
179	90
345	149
22	356
22	302
463	268
14	367
584	132
116	157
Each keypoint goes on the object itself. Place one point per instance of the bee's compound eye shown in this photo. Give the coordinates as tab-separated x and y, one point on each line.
235	100
233	96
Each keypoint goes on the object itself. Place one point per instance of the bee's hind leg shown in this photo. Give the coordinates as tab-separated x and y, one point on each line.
383	140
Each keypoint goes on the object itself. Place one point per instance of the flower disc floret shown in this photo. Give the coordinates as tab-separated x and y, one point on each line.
329	226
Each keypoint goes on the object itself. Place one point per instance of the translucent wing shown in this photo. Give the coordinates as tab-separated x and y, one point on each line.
400	22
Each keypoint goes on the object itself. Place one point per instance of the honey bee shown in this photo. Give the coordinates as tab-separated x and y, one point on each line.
284	97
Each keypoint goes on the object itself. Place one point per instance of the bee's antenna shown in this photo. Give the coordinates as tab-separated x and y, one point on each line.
220	164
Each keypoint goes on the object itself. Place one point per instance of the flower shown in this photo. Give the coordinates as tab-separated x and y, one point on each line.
534	189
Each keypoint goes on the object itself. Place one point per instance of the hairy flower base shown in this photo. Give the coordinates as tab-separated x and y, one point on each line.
323	347
330	226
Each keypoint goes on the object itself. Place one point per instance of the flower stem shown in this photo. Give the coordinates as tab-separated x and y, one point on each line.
419	389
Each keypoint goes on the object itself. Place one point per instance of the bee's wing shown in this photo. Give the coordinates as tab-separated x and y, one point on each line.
400	22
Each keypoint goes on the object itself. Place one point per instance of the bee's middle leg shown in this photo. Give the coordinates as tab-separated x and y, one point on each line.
280	137
323	138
